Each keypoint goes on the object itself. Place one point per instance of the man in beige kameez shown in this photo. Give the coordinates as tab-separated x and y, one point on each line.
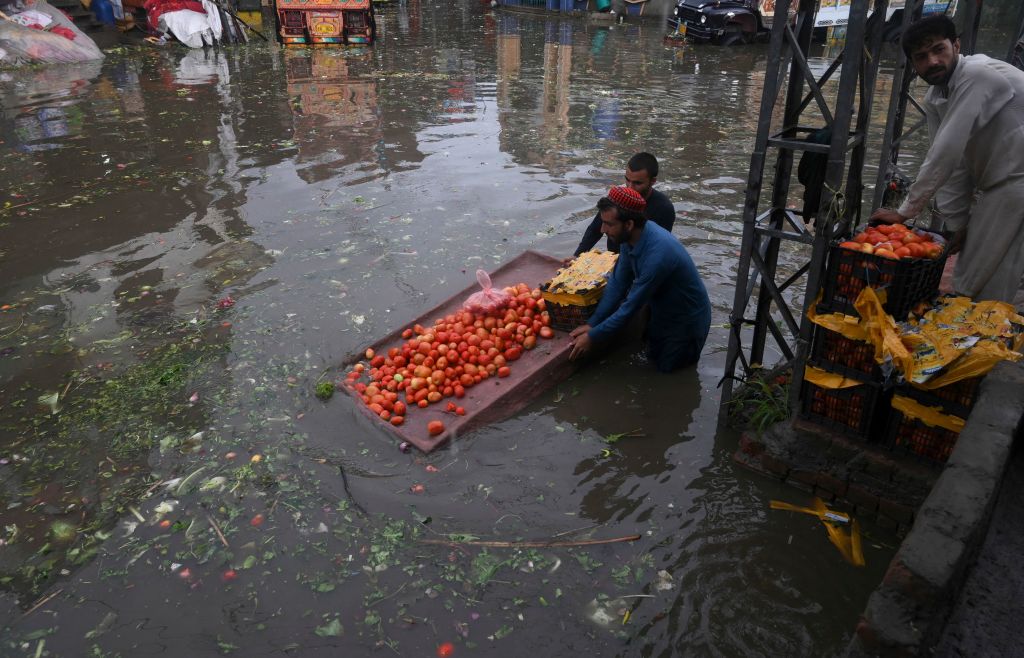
975	166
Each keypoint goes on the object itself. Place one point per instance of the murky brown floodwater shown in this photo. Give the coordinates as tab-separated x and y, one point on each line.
335	195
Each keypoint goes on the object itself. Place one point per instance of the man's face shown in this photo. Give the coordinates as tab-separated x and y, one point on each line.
640	181
934	60
613	227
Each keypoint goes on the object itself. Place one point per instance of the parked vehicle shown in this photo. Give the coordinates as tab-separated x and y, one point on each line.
347	22
726	22
730	22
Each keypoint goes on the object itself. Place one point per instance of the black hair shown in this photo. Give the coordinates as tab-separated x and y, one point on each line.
919	32
644	162
624	214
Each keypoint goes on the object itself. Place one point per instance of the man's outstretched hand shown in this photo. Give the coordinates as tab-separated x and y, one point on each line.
887	216
580	341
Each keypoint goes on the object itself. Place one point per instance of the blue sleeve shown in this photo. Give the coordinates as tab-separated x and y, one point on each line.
590	236
618	285
639	293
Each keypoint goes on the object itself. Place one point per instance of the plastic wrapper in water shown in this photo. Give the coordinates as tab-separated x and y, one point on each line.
20	44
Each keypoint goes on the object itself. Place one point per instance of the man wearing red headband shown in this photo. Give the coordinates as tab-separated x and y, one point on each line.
653	269
641	174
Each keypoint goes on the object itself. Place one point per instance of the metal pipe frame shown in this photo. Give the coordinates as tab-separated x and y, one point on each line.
763	232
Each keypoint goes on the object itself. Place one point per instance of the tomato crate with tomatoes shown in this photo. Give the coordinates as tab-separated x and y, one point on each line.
930	443
909	273
832	351
857	411
956	399
572	295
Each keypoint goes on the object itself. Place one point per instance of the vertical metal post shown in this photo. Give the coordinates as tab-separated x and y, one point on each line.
972	20
904	75
873	49
1015	55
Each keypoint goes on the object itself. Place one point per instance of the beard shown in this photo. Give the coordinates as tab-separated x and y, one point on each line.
939	75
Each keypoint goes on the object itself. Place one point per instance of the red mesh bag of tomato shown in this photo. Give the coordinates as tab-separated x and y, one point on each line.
489	299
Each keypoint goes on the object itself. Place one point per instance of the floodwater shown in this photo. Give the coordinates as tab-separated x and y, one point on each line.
190	241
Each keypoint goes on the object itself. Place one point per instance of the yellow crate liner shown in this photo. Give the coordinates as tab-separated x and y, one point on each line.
582	282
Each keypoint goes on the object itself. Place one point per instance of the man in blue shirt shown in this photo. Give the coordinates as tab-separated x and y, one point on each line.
654	269
641	174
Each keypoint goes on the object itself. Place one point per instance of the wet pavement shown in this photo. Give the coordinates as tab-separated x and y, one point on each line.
190	241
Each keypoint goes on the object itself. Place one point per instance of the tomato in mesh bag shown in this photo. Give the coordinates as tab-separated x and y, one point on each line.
489	299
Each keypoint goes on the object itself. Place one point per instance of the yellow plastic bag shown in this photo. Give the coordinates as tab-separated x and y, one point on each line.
829	380
931	416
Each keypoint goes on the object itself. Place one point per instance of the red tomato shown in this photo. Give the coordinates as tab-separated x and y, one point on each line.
397	420
546	332
435	427
460	391
459	411
504	371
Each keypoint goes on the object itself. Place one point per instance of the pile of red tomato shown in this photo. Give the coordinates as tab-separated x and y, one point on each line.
458	352
895	241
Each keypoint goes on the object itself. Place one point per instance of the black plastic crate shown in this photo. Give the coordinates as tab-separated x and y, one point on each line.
907	281
912	436
566	317
956	399
854	359
858	411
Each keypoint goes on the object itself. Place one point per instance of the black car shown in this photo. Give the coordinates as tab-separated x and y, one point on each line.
726	22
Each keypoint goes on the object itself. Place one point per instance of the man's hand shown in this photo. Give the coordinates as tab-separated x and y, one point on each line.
580	341
887	216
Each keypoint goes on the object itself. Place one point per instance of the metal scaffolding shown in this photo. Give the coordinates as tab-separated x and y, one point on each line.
764	231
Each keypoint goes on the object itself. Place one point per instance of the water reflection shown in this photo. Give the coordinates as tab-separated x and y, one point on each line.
41	110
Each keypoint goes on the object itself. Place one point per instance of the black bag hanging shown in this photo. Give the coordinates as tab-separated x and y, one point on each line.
811	173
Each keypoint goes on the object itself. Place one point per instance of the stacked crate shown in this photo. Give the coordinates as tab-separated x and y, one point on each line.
858	410
861	411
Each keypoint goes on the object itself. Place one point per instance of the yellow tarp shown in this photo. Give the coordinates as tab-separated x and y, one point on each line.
956	340
849	545
931	416
829	380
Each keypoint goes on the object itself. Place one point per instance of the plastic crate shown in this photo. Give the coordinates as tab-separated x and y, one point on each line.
956	399
832	351
910	435
858	411
566	317
907	282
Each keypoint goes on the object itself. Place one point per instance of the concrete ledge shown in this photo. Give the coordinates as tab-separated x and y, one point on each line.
906	614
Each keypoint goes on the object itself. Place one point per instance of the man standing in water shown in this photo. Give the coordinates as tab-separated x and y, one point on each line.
653	268
641	174
975	164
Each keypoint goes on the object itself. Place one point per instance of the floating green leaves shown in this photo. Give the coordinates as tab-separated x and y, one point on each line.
332	628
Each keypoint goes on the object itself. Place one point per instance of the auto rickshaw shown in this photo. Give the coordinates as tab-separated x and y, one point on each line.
347	22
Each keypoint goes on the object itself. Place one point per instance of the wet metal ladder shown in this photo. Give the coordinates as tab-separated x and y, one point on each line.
765	231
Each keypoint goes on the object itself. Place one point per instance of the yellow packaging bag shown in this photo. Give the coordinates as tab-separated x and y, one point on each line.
829	380
931	416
